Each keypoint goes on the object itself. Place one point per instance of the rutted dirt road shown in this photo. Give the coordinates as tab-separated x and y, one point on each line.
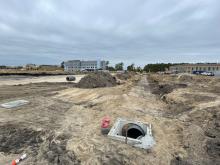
62	125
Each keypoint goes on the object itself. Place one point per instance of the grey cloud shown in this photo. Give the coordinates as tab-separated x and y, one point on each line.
133	31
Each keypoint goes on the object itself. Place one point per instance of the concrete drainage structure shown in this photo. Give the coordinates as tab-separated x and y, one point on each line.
135	133
14	104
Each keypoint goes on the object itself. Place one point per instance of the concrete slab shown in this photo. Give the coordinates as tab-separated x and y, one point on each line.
146	141
13	104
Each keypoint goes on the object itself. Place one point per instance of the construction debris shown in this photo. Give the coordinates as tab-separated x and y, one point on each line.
17	161
14	104
135	133
70	78
105	125
96	80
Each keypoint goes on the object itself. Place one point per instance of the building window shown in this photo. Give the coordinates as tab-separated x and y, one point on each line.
213	68
192	68
217	68
209	68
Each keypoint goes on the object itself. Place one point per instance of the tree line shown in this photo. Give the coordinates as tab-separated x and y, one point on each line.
158	67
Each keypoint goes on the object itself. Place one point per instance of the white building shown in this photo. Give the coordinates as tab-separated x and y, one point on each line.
31	66
77	65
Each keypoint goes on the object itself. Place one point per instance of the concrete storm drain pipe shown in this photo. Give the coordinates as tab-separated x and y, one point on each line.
132	130
70	78
135	133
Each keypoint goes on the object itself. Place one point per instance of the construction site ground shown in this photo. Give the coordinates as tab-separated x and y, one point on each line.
61	123
21	80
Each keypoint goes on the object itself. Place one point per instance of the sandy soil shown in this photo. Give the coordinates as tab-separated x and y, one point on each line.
61	125
16	80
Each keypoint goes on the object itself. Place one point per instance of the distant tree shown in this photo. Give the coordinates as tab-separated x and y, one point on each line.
139	69
3	67
62	64
110	68
131	67
157	67
119	66
19	67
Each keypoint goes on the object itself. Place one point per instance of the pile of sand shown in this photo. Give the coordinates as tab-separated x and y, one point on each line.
96	80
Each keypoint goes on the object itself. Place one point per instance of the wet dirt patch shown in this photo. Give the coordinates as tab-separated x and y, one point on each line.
213	147
40	145
14	139
55	153
160	89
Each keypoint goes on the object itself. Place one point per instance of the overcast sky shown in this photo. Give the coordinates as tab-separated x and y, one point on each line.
132	31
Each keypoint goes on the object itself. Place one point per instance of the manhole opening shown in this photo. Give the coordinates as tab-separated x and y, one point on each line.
134	133
132	130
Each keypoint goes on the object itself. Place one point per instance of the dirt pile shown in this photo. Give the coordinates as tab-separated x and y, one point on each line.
96	80
125	76
185	77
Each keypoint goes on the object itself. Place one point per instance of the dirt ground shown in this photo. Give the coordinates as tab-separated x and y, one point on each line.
61	124
20	80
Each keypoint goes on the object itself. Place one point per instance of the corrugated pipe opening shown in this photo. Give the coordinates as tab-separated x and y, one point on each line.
132	130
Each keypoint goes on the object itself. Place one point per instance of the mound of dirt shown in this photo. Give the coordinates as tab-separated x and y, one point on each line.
96	80
124	76
185	77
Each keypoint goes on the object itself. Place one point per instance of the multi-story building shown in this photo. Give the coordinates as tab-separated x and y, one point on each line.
30	66
77	65
190	68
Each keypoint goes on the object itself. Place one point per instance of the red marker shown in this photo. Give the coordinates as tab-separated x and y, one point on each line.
17	161
105	122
